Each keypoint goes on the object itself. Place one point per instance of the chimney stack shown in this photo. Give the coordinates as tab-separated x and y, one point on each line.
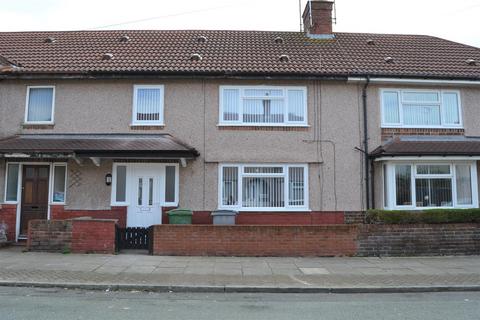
317	19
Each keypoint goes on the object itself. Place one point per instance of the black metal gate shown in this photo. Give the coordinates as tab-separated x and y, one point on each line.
133	238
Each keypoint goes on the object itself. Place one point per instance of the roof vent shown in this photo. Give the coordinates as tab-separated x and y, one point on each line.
202	39
107	56
284	58
279	40
195	57
389	60
50	40
124	38
471	62
371	42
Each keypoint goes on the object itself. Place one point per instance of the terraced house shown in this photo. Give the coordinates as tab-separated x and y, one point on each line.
285	127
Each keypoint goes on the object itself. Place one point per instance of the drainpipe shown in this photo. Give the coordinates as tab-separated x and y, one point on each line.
365	142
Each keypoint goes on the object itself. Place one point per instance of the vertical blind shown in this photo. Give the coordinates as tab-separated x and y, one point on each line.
263	186
40	104
263	106
12	182
422	108
148	104
464	184
403	185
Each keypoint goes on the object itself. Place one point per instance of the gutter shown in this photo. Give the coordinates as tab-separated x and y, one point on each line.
415	81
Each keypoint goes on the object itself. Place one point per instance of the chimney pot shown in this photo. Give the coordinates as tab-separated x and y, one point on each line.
317	19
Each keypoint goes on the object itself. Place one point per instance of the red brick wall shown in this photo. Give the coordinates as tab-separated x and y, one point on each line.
8	215
58	212
269	218
326	240
419	239
49	235
77	235
93	236
388	133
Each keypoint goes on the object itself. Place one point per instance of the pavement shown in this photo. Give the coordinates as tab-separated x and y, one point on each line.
238	274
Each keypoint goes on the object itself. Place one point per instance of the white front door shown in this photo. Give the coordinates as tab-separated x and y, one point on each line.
145	209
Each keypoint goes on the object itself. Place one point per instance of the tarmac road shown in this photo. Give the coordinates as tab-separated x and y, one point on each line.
53	304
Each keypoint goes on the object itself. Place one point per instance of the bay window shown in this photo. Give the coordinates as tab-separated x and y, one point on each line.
421	108
263	187
430	185
266	106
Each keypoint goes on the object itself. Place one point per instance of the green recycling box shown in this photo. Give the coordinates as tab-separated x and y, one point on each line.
180	216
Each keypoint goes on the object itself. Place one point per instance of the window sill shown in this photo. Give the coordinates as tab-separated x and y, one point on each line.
261	210
421	127
239	127
33	125
147	126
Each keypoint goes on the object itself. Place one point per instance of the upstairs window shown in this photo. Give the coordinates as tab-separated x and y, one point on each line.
421	109
40	105
266	106
148	105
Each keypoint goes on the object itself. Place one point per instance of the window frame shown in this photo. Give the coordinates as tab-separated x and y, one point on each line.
392	188
129	169
161	120
26	121
285	175
440	103
242	97
52	179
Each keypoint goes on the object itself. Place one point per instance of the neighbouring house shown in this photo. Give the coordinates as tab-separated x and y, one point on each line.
286	127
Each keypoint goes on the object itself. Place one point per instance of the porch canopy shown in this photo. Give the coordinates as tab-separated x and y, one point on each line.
96	146
415	146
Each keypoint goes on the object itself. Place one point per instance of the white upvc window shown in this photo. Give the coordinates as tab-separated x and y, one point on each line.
40	105
59	185
427	185
410	108
263	106
263	187
148	105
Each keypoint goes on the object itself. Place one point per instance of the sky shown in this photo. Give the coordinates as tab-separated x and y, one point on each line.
454	20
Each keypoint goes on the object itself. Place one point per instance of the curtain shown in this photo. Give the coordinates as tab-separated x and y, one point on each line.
403	185
296	106
464	184
149	104
40	101
231	104
391	107
450	107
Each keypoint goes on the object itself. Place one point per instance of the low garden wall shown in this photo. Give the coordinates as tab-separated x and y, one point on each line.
81	235
243	240
418	239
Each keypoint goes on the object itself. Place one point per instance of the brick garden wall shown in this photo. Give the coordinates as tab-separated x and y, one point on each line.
271	218
93	236
414	240
75	235
58	212
8	215
325	240
50	235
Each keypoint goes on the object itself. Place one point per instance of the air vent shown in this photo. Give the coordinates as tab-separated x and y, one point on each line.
202	39
107	56
279	40
124	38
389	60
471	62
50	40
370	42
195	57
284	58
